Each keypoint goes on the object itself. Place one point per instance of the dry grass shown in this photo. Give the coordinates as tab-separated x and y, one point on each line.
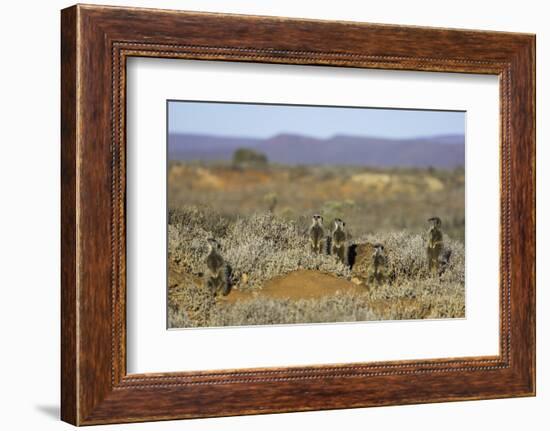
257	248
262	246
370	200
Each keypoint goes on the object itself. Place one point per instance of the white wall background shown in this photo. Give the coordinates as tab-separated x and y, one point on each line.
29	215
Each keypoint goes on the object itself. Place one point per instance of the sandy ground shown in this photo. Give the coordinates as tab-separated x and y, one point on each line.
298	285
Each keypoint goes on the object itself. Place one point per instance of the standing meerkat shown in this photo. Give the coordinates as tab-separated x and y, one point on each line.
435	244
444	261
217	279
378	264
316	233
338	243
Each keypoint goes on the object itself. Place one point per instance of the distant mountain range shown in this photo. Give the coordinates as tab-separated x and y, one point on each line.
445	151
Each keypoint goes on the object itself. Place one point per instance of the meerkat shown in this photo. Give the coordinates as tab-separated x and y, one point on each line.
435	244
217	279
444	261
378	263
316	233
338	240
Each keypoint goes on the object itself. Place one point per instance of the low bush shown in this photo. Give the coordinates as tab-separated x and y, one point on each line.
257	248
263	246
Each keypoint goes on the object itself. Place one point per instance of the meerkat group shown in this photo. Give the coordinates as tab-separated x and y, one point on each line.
437	259
334	243
217	277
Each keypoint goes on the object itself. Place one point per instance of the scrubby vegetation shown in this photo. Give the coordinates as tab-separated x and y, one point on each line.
368	199
243	157
406	257
345	307
257	248
263	247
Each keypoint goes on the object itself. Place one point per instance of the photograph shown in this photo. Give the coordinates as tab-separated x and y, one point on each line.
299	214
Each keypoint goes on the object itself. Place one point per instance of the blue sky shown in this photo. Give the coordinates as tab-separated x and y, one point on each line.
264	121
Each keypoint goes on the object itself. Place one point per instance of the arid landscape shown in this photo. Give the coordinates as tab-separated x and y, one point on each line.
259	214
292	214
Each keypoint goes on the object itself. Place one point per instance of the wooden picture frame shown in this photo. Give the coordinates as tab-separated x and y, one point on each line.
95	43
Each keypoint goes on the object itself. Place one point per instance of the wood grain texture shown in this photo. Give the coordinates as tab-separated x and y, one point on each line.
96	41
69	397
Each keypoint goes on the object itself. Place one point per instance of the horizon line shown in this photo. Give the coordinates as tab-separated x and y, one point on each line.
411	138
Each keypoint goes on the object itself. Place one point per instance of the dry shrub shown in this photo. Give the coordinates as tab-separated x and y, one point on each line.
263	246
387	199
189	303
406	256
429	298
266	311
406	302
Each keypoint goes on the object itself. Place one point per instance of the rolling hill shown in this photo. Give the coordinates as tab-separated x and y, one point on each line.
446	151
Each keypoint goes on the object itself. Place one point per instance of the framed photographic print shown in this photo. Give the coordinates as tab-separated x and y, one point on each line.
265	215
